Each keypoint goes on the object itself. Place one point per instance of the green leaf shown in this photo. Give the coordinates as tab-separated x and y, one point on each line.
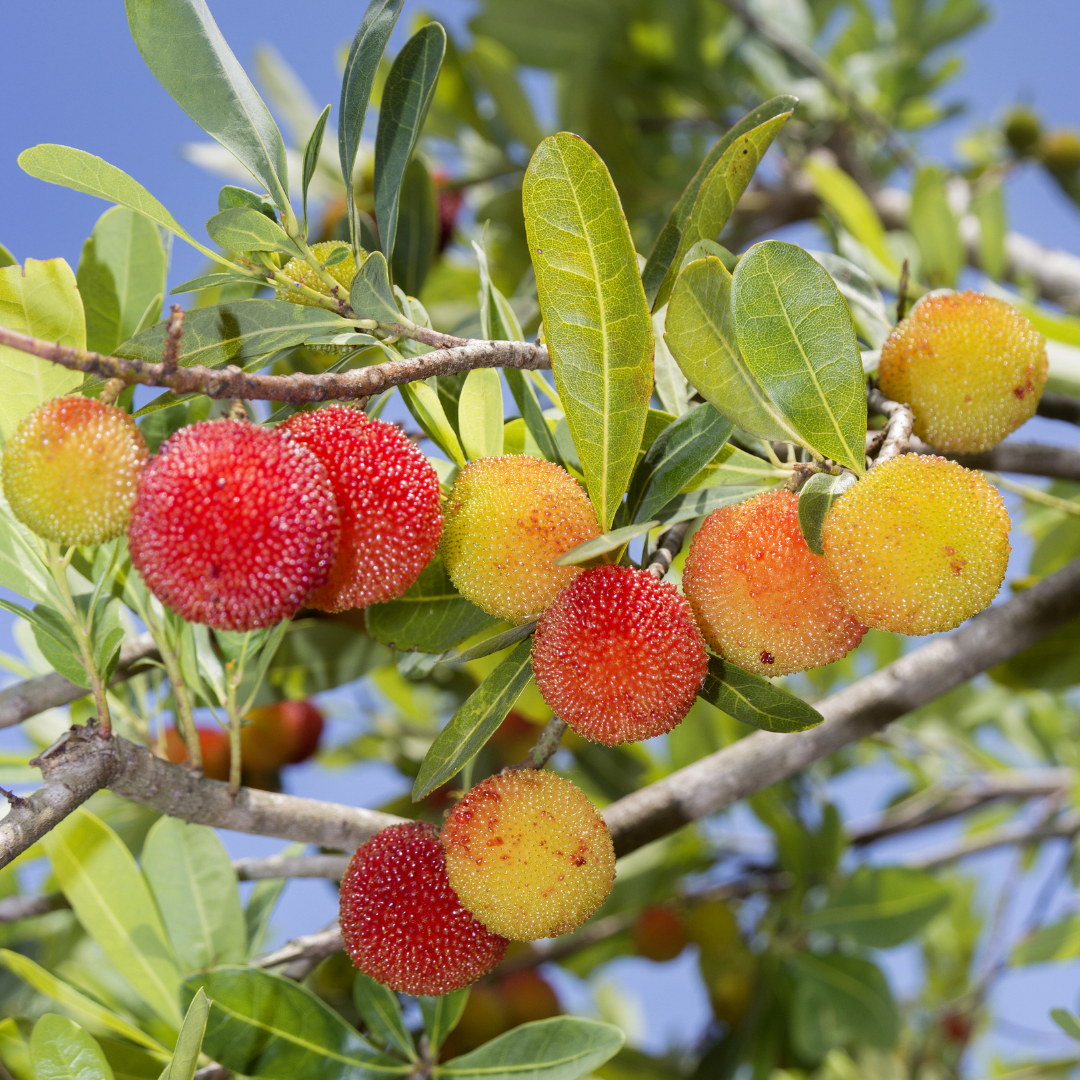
670	383
605	542
988	206
668	242
1058	941
418	229
97	873
701	335
185	1059
54	638
596	322
264	1025
80	171
815	501
261	902
881	907
935	229
6	258
209	281
311	159
129	1062
231	195
61	1050
480	414
406	97
794	330
15	1050
1069	1024
733	467
562	1048
839	1000
497	68
240	228
679	453
370	294
365	54
473	724
194	884
22	569
381	1012
695	504
755	701
423	402
183	47
106	634
495	643
73	1000
122	269
441	1014
42	300
863	297
719	192
431	617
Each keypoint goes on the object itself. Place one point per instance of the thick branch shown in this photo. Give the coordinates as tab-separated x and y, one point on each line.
1032	459
26	699
764	758
309	947
331	867
232	382
1060	406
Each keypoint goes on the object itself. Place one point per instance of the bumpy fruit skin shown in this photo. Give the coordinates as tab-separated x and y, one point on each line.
971	367
918	545
761	597
402	924
298	270
234	525
507	521
618	656
659	933
71	470
214	745
282	734
528	854
388	498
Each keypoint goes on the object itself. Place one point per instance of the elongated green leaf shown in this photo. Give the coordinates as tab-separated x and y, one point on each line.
431	617
264	1025
701	335
209	281
193	881
74	1000
1068	1023
61	1050
122	269
794	330
497	67
480	414
42	300
881	907
669	240
423	402
815	501
755	701
15	1050
98	875
695	504
495	643
679	453
863	297
370	294
671	386
733	467
236	333
381	1012
54	638
605	542
406	97
185	1059
720	191
988	206
473	724
365	53
185	50
935	229
311	159
241	228
418	229
596	321
1057	941
562	1048
441	1014
6	258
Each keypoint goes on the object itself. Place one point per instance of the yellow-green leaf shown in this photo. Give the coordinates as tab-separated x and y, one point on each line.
480	414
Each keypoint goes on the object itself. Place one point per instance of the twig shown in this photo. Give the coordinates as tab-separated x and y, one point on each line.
170	355
291	866
317	946
14	908
899	422
902	291
232	382
667	547
1043	498
1031	459
546	745
1060	406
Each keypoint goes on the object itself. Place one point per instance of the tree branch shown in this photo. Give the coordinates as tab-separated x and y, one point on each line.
899	422
1031	459
1060	406
232	382
331	867
309	947
1063	827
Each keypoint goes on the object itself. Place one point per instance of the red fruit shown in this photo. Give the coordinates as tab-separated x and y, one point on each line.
234	525
618	656
388	496
214	745
282	734
403	925
529	997
659	933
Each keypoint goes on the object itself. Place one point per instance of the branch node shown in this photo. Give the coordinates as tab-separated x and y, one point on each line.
170	355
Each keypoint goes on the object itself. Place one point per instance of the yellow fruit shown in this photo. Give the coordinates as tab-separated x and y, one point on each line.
298	270
71	470
711	926
761	597
1061	151
918	545
507	521
528	854
970	366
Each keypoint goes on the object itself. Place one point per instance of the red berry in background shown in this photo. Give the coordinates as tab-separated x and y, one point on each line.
388	497
529	996
234	525
449	202
659	933
402	923
282	734
618	656
214	744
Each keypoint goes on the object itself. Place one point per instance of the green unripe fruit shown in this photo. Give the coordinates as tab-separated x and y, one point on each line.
1061	151
298	270
71	470
1022	129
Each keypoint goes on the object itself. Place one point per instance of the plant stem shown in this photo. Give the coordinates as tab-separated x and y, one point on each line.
233	675
1036	496
170	660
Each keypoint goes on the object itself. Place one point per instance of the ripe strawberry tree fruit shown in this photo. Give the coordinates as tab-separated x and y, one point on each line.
628	479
